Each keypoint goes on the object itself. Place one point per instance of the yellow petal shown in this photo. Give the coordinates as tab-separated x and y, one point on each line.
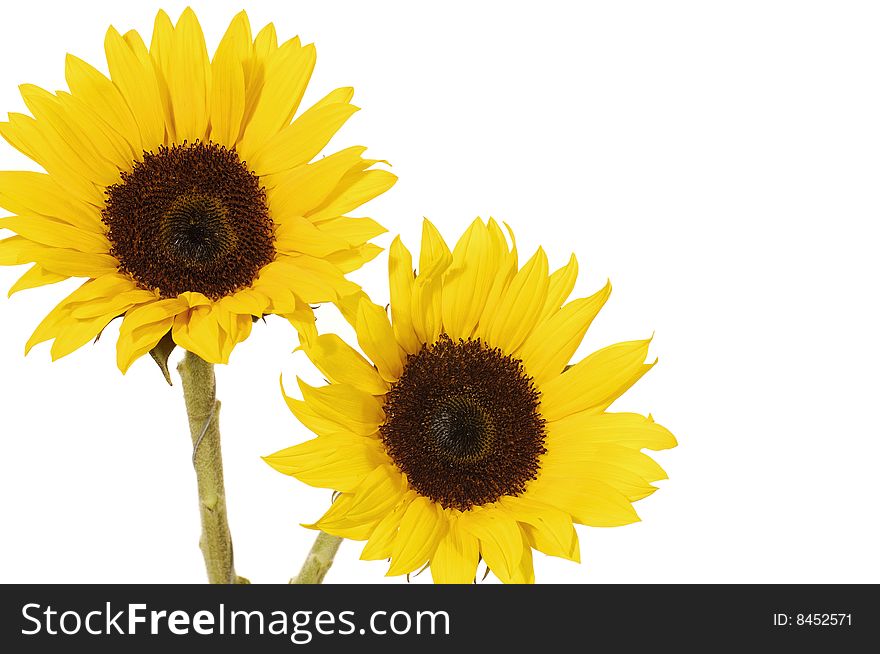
421	528
501	541
549	528
350	260
266	42
34	277
355	515
588	501
136	339
95	91
354	231
76	264
58	125
376	339
76	333
341	364
549	348
131	70
301	141
189	79
37	194
401	280
350	408
353	191
596	381
287	73
456	557
572	471
198	331
519	307
161	49
228	83
298	191
247	301
313	280
310	418
340	462
434	259
507	268
297	235
105	142
629	429
468	281
60	325
336	523
56	234
37	140
16	250
118	304
382	538
560	286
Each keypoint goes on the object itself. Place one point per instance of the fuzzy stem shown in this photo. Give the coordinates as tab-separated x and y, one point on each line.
203	410
319	560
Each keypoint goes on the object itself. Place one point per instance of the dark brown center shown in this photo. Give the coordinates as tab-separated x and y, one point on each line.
462	423
190	217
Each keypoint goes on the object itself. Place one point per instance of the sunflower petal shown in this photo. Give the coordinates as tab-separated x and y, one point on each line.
401	281
35	276
198	331
136	339
355	515
287	73
501	541
301	190
549	528
379	545
56	234
361	187
301	141
629	429
456	558
37	194
376	338
189	79
298	235
343	365
561	284
421	528
339	462
549	348
595	382
93	90
588	501
228	82
131	70
352	409
468	281
434	259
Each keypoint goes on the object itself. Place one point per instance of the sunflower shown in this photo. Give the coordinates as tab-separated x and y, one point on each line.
183	192
466	434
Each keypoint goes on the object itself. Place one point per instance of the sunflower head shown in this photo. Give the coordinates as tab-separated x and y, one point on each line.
183	190
464	434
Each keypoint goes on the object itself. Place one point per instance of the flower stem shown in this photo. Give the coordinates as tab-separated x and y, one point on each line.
203	410
319	560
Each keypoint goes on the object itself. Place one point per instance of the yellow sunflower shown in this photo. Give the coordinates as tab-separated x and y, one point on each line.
182	192
466	435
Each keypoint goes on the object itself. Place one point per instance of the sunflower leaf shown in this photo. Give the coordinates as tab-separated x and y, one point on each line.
160	355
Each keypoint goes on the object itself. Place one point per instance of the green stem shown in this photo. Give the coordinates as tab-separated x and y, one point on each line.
203	409
319	560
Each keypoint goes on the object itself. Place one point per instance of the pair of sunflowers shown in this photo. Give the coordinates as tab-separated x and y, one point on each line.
186	195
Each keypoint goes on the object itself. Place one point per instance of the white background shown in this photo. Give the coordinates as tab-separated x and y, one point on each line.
719	161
